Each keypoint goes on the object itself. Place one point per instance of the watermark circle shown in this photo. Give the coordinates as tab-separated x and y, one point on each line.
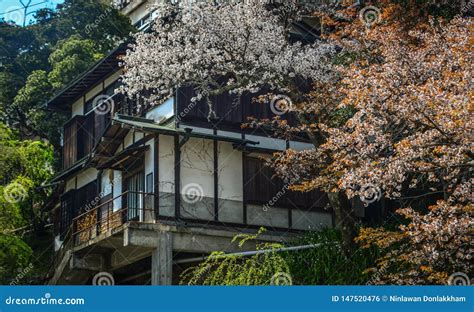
103	279
281	279
280	104
370	15
192	193
14	14
191	16
103	104
370	193
459	279
14	193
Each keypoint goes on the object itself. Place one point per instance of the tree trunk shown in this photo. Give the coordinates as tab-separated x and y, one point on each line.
345	220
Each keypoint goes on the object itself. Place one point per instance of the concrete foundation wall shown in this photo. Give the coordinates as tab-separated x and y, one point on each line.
303	220
231	211
275	217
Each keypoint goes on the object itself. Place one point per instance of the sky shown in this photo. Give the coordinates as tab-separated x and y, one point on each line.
12	10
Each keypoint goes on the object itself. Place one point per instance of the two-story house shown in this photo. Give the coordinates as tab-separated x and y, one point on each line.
143	192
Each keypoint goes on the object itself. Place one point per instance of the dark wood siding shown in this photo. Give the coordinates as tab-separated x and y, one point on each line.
75	202
79	138
70	140
66	213
261	187
230	110
86	197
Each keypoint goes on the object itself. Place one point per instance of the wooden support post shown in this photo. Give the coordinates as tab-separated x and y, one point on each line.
162	260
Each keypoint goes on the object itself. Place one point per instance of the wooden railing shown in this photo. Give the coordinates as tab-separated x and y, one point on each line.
102	219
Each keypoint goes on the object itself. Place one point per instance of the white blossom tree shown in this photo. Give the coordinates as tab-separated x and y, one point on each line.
198	44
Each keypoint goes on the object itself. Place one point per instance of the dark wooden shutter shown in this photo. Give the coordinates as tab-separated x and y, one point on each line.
70	139
66	212
85	198
261	187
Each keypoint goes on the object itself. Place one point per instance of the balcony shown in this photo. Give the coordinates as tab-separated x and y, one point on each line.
102	220
121	4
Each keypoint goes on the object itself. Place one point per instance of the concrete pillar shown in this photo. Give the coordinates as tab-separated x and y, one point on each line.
162	260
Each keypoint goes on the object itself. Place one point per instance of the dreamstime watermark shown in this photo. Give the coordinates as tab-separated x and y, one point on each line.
103	104
280	104
370	15
377	274
459	279
280	193
103	279
47	299
192	193
281	279
14	193
190	15
186	110
466	7
14	14
370	193
107	189
21	275
98	20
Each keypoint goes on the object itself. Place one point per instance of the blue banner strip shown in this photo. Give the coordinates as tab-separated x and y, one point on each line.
262	298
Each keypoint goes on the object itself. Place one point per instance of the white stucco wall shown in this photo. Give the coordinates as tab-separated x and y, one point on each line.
149	163
230	175
86	176
77	107
166	175
70	184
300	146
268	143
197	165
166	163
107	182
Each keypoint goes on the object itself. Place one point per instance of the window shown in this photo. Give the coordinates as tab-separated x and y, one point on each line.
262	188
78	139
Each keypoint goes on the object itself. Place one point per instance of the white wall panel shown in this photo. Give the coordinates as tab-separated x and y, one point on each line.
197	165
86	176
230	177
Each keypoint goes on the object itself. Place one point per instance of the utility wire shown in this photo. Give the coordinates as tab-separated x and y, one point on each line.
21	9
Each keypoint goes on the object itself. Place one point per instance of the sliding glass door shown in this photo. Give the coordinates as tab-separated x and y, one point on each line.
135	196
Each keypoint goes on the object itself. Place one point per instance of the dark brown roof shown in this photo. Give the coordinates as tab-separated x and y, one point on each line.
98	72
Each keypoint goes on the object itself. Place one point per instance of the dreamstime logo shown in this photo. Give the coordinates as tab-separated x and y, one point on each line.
370	15
281	279
14	193
21	274
191	16
103	279
459	279
370	193
280	193
103	104
14	14
100	19
280	104
192	193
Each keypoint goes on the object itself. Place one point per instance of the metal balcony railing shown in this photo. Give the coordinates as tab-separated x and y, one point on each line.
102	219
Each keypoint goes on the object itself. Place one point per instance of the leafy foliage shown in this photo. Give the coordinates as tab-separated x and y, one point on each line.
326	264
222	269
24	165
323	264
61	45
